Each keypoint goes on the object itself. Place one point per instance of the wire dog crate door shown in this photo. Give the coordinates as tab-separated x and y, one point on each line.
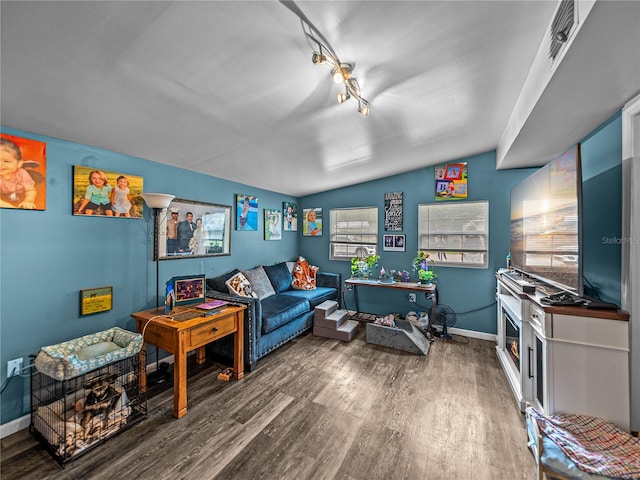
72	416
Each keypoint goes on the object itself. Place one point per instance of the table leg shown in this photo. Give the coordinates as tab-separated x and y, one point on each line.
201	355
180	380
238	347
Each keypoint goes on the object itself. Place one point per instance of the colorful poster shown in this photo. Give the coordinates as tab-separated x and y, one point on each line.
451	181
393	212
23	173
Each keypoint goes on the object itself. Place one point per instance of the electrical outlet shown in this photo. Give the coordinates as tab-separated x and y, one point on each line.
14	367
412	297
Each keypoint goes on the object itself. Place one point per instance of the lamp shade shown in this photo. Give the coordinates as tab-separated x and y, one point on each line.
157	200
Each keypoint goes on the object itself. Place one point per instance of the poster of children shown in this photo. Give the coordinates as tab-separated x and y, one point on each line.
23	173
290	217
312	226
272	225
247	208
451	181
106	193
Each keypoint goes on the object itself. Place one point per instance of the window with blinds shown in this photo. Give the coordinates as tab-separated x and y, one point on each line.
353	232
455	234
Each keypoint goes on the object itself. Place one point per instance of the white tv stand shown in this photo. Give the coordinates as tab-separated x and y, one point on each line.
570	359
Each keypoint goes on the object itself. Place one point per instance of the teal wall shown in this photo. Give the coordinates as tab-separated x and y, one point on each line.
49	256
602	210
464	289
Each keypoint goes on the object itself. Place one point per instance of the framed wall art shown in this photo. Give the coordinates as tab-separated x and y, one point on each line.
105	193
393	212
95	300
194	229
289	217
312	226
23	183
451	181
272	225
247	212
393	243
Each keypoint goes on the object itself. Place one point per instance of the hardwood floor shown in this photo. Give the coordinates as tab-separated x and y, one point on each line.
318	409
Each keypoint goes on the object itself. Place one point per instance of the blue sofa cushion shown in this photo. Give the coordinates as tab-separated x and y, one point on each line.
280	309
219	283
315	297
280	276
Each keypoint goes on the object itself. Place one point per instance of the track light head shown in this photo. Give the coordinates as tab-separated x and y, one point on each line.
318	58
342	73
364	109
343	97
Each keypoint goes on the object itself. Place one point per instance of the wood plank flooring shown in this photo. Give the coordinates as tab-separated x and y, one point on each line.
318	409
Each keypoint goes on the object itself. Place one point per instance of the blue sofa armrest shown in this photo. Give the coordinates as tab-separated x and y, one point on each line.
331	280
327	279
252	324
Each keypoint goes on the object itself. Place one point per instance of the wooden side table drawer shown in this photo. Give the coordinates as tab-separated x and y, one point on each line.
211	331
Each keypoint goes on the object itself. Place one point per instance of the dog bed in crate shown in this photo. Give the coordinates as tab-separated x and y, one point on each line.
72	358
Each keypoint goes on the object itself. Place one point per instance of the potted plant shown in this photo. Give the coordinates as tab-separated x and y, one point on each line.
362	267
421	265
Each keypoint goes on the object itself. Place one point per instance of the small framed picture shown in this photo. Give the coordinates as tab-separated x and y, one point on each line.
95	300
289	217
272	225
393	243
312	226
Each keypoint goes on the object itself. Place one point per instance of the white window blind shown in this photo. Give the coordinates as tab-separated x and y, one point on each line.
353	232
455	234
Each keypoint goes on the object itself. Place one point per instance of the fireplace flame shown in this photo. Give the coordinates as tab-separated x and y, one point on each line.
515	350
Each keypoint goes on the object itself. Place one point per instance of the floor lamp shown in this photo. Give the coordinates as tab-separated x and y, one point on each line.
159	202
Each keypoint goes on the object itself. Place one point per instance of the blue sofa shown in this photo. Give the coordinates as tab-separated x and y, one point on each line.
279	314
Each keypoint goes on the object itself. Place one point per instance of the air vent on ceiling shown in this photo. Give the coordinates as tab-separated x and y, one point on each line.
561	27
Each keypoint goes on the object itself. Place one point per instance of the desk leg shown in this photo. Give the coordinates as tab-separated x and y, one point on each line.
201	355
238	347
180	379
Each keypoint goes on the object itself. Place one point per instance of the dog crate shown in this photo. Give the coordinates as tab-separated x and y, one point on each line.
72	416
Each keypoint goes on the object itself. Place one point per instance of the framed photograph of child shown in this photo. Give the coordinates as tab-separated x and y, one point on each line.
272	225
23	180
289	217
247	212
105	193
312	226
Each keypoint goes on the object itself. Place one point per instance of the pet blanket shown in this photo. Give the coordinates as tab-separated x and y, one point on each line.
594	445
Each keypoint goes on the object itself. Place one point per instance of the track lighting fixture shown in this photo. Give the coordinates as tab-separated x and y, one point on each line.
340	72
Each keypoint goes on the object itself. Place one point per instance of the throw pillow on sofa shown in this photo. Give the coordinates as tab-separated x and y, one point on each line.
239	285
280	276
304	275
260	282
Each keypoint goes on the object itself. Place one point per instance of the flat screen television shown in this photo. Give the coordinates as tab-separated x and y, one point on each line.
546	238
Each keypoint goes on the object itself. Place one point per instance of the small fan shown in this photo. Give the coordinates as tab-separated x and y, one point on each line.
445	317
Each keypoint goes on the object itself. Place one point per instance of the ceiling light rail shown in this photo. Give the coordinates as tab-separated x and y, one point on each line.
340	72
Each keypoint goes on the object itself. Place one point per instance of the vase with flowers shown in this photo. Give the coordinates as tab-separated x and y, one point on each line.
421	265
362	267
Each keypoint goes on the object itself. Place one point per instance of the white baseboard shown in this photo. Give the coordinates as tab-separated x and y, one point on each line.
21	423
471	334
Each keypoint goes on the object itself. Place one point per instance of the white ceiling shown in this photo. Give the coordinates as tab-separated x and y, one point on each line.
228	89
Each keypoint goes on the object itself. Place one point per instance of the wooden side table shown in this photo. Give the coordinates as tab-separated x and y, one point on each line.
191	330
